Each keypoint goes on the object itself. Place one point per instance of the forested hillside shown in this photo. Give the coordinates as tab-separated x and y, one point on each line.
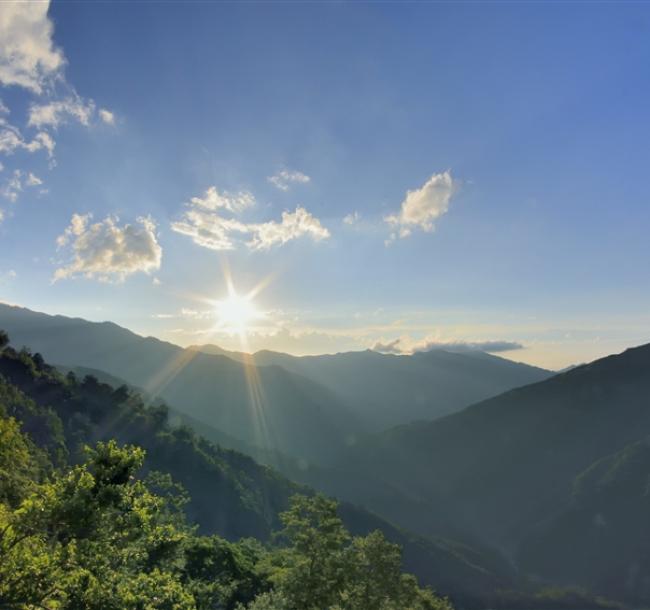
601	537
62	433
97	536
227	493
555	474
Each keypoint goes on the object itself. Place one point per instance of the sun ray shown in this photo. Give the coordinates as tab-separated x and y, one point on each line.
234	314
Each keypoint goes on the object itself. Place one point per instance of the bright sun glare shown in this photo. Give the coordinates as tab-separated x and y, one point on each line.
236	313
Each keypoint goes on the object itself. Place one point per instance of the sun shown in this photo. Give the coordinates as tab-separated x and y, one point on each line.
236	313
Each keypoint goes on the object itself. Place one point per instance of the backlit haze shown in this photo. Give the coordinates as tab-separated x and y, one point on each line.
323	177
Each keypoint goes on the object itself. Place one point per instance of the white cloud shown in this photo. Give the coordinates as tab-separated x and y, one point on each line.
53	114
107	116
187	314
107	251
7	276
388	347
293	225
352	218
16	183
33	180
213	200
204	223
28	57
208	229
285	178
422	206
45	142
12	186
11	140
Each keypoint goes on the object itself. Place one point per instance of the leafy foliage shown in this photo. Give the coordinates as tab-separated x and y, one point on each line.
323	566
63	413
96	537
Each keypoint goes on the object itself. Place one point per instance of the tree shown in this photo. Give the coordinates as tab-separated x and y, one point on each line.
121	394
324	568
18	468
271	600
39	361
312	569
221	574
94	538
4	339
374	572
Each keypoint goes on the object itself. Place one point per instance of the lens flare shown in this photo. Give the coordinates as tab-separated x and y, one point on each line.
236	313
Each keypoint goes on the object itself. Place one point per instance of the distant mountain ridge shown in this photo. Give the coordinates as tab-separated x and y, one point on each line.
385	390
309	408
266	406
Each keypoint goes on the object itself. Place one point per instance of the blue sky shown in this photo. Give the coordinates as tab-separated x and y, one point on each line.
521	131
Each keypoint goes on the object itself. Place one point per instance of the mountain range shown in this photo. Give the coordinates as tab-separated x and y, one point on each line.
545	483
385	390
554	474
309	408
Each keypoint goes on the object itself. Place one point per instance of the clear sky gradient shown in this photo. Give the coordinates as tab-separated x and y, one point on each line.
530	122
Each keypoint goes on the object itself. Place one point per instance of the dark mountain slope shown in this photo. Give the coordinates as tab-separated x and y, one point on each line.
278	460
266	406
87	411
601	540
386	390
506	464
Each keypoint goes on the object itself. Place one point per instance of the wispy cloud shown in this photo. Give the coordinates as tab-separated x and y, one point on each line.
204	222
11	140
54	113
285	178
33	180
16	182
421	207
213	200
407	345
107	116
292	226
491	347
388	347
29	59
7	276
352	218
186	313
